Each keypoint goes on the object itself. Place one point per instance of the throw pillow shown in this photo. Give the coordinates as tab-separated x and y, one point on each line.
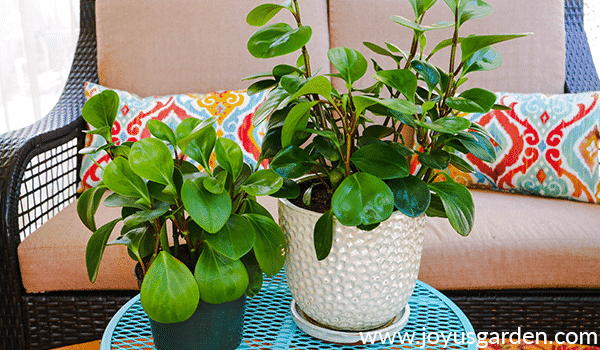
234	110
547	146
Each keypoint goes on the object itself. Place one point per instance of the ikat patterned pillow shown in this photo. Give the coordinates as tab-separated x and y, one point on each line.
234	110
547	146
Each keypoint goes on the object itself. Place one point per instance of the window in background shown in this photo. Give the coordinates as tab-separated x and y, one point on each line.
37	43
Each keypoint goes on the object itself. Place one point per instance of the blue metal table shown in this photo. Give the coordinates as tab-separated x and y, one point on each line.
268	324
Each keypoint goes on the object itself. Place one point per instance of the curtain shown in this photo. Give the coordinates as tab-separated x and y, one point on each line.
37	43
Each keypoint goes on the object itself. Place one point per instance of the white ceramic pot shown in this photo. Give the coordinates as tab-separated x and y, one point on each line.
367	278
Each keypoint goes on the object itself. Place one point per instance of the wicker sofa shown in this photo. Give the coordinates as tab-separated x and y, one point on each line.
39	177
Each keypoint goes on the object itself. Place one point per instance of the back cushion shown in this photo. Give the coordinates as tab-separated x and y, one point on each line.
532	64
161	47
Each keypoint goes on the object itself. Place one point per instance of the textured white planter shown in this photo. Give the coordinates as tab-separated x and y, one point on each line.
367	278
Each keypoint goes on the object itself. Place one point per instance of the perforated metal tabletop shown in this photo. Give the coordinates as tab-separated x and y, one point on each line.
268	324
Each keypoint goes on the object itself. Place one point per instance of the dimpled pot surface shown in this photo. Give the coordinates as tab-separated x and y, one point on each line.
367	278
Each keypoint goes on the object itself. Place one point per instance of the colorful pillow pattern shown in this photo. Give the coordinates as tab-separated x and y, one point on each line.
547	146
234	111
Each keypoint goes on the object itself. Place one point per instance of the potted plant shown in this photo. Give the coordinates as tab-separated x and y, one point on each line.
354	265
200	238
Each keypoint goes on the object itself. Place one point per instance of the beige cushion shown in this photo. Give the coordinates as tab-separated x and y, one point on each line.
532	64
517	242
53	257
159	47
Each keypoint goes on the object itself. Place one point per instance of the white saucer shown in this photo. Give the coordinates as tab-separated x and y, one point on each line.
311	328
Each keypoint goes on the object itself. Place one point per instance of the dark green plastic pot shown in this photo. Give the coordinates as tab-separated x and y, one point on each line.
211	327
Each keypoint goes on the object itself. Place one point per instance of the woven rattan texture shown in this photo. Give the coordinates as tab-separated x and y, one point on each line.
581	74
33	321
268	323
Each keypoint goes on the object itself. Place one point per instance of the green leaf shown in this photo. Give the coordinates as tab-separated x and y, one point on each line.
219	278
101	110
472	9
120	178
289	189
277	40
350	63
275	98
151	159
435	159
161	131
262	14
229	156
472	101
292	83
474	43
381	160
485	59
145	215
420	6
402	80
190	129
429	73
296	120
326	148
270	243
323	235
201	148
480	146
461	164
395	104
411	195
261	85
87	205
136	241
216	184
382	51
318	85
418	28
263	183
362	199
255	275
210	211
292	162
281	70
95	248
235	239
118	200
169	292
250	206
458	205
451	124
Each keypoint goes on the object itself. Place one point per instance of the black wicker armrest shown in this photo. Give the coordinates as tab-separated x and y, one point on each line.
38	174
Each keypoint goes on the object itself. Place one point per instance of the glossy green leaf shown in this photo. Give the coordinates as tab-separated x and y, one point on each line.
461	164
323	235
289	189
161	131
402	80
362	199
95	248
190	129
472	101
87	205
394	104
216	184
418	28
411	195
120	178
382	51
458	205
292	162
326	148
319	85
145	215
472	9
270	243
296	120
350	63
292	83
261	85
263	183
435	159
275	99
277	40
474	43
229	156
101	110
219	278
136	241
201	148
420	6
151	159
235	239
281	70
381	160
118	200
485	59
262	14
210	211
480	146
451	124
169	292
251	206
428	72
255	274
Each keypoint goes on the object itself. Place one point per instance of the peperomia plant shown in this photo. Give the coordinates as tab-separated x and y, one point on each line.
365	166
195	234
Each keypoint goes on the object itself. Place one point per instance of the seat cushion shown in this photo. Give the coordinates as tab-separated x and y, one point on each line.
53	257
532	64
163	47
517	242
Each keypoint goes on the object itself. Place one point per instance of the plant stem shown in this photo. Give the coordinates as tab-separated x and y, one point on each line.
448	91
